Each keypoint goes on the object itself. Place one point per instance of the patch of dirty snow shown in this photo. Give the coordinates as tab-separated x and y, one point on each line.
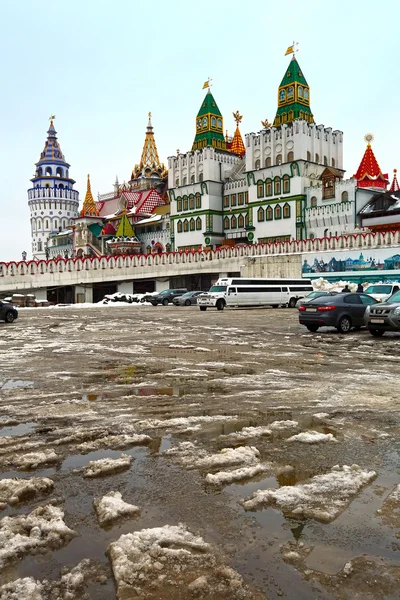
282	425
321	417
33	460
42	529
312	437
183	421
226	477
114	442
13	491
249	432
171	561
227	456
111	507
22	589
107	466
323	498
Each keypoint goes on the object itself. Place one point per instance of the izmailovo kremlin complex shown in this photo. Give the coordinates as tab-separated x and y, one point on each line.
284	183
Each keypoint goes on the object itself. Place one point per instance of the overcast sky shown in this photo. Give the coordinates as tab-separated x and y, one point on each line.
101	65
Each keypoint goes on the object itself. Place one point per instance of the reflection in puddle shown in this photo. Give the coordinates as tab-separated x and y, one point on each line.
80	460
21	429
146	390
12	384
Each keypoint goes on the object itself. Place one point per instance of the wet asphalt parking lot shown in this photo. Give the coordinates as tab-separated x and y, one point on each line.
74	380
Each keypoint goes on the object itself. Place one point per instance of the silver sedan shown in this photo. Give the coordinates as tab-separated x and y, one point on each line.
187	299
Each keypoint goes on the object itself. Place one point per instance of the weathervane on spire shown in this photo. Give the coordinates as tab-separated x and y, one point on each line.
51	118
238	117
291	49
207	84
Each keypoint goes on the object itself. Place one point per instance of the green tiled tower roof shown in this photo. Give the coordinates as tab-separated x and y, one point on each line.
125	229
209	125
293	96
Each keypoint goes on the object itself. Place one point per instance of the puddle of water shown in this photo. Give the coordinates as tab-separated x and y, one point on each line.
21	429
165	444
137	391
80	460
328	559
13	384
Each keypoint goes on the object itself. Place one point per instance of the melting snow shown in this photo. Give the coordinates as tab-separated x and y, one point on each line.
226	477
312	437
322	499
111	507
107	466
33	460
249	432
22	589
17	490
114	442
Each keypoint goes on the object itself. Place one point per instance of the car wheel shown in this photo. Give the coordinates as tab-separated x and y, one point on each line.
376	332
275	306
154	303
9	318
203	308
344	325
187	303
165	302
292	302
312	328
220	305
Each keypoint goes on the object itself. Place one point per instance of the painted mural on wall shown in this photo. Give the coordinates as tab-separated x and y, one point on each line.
353	260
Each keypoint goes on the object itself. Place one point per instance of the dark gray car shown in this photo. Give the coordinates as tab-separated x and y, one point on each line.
343	311
313	295
167	296
187	299
384	316
8	312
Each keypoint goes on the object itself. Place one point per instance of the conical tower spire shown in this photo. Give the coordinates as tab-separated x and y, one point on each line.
52	151
395	184
89	208
237	146
369	173
125	229
293	96
150	164
209	125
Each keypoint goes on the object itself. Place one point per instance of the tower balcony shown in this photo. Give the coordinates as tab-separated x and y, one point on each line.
51	192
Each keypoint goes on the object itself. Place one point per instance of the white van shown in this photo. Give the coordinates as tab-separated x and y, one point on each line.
254	292
382	291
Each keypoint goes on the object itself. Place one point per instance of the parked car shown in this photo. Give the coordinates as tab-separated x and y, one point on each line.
382	291
313	295
167	296
186	299
342	311
384	316
8	312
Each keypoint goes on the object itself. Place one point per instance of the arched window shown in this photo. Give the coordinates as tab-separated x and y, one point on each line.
301	114
226	223
260	214
257	164
277	186
55	225
269	213
148	249
60	187
191	202
39	172
333	162
184	182
240	221
46	224
306	94
290	157
313	202
317	158
198	201
278	159
39	245
282	96
308	155
260	189
290	92
268	187
278	212
213	122
268	161
49	171
290	115
325	161
185	225
300	92
198	223
177	181
286	211
192	225
233	222
179	205
179	227
39	224
59	172
246	220
278	119
64	224
286	184
201	177
192	179
185	203
345	196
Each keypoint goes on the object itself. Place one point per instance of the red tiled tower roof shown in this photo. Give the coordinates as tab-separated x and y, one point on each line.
395	184
369	173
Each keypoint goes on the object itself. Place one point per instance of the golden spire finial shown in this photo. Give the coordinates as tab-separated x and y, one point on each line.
238	117
149	115
266	124
51	118
369	138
